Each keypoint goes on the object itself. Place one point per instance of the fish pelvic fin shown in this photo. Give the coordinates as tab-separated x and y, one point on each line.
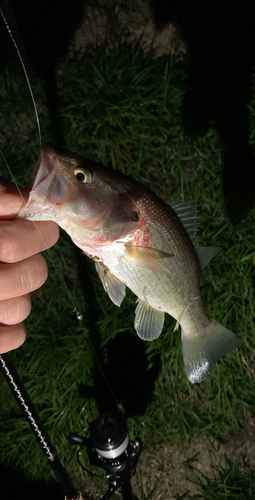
201	351
148	321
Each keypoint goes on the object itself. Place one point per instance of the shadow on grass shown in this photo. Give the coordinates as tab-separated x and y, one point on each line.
126	370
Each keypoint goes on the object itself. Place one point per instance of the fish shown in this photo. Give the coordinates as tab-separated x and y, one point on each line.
137	241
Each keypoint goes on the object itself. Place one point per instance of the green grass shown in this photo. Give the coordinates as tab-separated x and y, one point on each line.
124	111
233	481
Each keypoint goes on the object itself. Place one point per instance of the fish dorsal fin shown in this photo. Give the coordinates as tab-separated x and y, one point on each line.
112	285
206	254
187	213
148	321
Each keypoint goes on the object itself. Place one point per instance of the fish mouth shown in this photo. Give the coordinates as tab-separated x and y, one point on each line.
49	188
49	182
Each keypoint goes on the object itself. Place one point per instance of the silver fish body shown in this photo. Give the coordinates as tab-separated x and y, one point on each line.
137	241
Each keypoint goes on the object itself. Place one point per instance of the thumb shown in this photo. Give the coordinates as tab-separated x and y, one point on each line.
11	199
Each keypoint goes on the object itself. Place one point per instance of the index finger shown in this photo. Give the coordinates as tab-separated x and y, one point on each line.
19	238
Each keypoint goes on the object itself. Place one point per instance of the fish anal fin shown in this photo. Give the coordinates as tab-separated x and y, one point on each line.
112	285
202	350
148	321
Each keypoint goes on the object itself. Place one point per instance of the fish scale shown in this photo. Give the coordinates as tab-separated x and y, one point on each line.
173	290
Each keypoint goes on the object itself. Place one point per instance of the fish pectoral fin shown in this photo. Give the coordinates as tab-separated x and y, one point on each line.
148	321
202	350
147	257
112	285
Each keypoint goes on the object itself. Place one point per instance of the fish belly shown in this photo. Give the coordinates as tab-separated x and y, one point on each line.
171	290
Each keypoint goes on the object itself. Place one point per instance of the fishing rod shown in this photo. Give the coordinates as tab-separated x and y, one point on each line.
107	442
19	391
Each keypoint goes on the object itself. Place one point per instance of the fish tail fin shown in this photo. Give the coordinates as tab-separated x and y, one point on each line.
201	351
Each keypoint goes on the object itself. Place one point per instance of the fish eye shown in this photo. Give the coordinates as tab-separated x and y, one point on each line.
83	175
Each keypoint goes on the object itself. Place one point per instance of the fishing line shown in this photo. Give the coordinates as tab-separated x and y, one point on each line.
102	372
57	269
25	72
79	316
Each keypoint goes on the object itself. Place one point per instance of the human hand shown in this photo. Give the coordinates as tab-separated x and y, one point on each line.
22	268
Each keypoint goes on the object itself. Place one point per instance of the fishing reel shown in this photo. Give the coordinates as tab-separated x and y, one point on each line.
108	447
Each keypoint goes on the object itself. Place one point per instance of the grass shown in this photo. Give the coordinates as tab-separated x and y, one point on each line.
233	481
124	110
